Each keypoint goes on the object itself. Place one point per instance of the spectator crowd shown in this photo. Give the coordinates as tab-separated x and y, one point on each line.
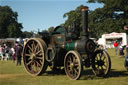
11	53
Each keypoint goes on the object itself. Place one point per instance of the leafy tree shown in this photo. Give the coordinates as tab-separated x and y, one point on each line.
27	34
74	16
112	17
9	26
44	31
13	30
50	29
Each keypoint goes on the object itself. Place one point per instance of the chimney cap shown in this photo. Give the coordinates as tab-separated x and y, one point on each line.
85	8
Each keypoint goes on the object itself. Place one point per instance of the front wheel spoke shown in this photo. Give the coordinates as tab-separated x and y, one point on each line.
97	58
76	64
102	68
69	62
76	71
68	67
104	58
69	71
98	66
74	60
73	72
105	66
96	63
100	57
70	59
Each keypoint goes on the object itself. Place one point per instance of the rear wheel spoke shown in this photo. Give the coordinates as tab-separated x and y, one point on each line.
40	58
36	48
30	48
30	62
27	55
38	64
33	44
38	52
33	56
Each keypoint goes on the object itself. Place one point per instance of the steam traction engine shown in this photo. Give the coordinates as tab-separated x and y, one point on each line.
61	49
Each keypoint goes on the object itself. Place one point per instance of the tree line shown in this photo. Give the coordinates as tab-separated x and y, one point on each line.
9	25
112	17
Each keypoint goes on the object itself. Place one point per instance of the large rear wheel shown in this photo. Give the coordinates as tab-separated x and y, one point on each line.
73	65
34	56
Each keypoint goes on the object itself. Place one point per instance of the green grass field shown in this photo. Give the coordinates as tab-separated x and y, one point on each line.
10	74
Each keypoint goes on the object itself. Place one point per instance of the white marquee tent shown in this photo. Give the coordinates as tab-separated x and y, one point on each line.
108	39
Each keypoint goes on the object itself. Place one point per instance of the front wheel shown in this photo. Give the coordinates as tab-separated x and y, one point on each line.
101	64
73	65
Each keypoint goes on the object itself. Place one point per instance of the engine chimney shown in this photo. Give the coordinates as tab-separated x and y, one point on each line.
85	21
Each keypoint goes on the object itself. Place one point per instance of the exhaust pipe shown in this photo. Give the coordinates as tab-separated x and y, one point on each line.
85	21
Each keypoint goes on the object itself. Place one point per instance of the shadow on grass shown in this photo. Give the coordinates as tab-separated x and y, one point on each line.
115	73
88	74
55	72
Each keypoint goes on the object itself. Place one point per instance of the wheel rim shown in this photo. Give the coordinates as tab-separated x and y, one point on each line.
33	57
73	65
102	63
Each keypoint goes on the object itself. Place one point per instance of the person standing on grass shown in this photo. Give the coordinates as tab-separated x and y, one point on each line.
126	58
18	51
1	52
121	48
116	46
7	52
13	54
